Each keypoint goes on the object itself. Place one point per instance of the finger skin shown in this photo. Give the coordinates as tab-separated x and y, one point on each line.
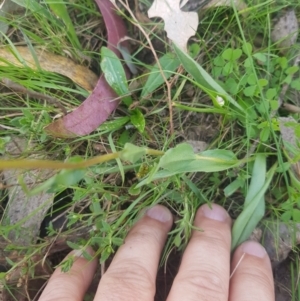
205	266
132	273
252	278
72	285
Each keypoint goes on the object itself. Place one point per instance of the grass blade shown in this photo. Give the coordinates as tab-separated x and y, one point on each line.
169	63
207	83
60	10
253	211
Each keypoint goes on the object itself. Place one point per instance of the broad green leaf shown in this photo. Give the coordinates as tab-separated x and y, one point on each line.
194	49
228	68
296	215
132	152
260	57
113	125
219	61
182	159
251	80
263	107
138	120
288	79
254	207
265	134
73	246
295	84
169	63
236	54
124	138
286	216
271	93
65	178
231	86
233	187
227	54
117	241
203	78
274	104
284	167
60	10
283	62
105	254
262	82
232	54
257	179
114	74
248	63
133	190
291	70
247	48
250	91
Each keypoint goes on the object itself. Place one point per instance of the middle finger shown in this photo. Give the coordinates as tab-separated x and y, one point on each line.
204	270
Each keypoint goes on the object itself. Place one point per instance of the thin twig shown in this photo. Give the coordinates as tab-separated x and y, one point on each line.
291	108
11	115
23	90
136	23
237	265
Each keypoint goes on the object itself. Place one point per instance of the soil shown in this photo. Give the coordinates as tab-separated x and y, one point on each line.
202	128
283	281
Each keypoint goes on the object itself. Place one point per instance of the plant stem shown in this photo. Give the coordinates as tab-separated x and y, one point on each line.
50	164
154	152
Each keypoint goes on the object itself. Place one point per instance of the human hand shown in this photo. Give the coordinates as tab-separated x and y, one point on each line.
204	273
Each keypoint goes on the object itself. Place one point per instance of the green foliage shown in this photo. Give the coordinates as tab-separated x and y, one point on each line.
59	8
169	63
182	159
67	264
59	182
132	153
3	141
115	75
28	123
113	125
249	79
291	207
203	79
138	120
254	206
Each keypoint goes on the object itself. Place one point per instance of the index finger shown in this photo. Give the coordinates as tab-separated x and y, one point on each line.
72	285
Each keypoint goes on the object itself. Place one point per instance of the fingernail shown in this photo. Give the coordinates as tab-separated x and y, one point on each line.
214	212
254	248
159	213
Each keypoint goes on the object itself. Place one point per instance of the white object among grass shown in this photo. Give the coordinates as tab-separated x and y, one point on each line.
179	25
